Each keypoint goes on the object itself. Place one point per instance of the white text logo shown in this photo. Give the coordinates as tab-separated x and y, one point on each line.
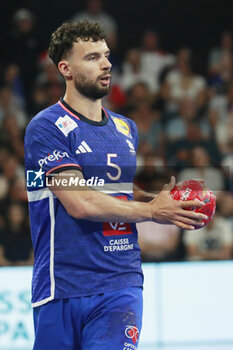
57	180
56	155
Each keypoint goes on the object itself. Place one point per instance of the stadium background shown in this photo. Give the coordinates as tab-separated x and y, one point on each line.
28	83
194	23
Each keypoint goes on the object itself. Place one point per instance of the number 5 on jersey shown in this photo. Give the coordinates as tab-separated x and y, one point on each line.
113	165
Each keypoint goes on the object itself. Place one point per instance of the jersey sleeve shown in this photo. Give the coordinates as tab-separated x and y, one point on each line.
46	148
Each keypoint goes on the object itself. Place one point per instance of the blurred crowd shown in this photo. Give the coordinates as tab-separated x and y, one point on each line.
184	120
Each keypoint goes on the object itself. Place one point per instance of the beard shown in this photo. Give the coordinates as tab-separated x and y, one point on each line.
88	88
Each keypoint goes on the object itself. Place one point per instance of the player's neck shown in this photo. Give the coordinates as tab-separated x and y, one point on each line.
90	109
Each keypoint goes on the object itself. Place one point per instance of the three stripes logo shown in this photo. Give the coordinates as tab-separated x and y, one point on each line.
83	148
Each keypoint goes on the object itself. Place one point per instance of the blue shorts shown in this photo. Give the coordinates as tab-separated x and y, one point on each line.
108	321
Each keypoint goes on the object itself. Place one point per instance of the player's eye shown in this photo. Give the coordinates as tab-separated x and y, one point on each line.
92	58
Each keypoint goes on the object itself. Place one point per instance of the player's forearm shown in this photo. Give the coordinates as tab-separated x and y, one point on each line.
87	203
97	206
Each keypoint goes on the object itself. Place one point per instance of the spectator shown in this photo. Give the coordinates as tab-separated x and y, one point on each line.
11	137
12	169
220	62
49	72
181	82
224	132
202	169
13	79
149	128
17	192
11	105
48	86
138	94
15	240
176	128
151	173
94	12
225	206
227	160
212	242
227	166
39	98
222	103
131	70
23	48
4	188
178	152
158	243
153	59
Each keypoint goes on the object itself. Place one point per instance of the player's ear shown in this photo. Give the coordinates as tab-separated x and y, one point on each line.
64	69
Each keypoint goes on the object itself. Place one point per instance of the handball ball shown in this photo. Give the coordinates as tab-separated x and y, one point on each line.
196	189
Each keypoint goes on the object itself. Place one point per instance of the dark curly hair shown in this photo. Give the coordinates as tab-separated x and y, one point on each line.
68	33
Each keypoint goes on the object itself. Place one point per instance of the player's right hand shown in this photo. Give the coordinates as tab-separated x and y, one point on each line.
166	210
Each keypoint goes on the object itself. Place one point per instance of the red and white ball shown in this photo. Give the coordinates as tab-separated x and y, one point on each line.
190	190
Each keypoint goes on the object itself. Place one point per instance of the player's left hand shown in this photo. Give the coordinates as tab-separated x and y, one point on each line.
165	210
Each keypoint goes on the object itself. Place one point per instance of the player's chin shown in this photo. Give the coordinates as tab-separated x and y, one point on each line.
104	90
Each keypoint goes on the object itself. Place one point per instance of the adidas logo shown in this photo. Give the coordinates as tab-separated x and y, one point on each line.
83	148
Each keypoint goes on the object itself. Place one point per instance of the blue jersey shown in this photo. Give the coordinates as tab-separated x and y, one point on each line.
75	258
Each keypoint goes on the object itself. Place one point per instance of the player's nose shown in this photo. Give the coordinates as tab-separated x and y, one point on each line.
106	64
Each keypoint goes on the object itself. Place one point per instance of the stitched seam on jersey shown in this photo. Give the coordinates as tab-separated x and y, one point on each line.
62	166
67	110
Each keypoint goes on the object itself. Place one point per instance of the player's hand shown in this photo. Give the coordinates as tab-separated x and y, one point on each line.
166	210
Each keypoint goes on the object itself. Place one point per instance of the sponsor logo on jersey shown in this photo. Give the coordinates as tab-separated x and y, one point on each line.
116	228
119	245
66	124
132	332
56	155
131	147
122	126
35	178
83	148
